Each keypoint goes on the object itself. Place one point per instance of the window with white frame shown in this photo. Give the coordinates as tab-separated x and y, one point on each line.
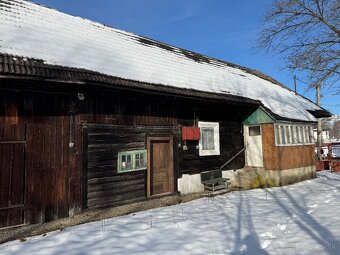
209	143
293	134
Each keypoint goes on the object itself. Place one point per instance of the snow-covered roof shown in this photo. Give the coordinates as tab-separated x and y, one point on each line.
33	31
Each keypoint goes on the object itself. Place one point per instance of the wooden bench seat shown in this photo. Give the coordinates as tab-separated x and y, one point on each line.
212	180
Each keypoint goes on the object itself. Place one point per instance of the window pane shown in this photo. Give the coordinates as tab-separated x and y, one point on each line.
139	159
298	136
302	132
208	139
254	131
283	137
288	136
126	162
306	134
293	134
277	135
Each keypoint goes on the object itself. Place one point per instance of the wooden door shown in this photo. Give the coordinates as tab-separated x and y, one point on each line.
12	175
160	166
253	142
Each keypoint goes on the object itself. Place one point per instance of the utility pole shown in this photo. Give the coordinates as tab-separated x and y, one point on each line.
319	127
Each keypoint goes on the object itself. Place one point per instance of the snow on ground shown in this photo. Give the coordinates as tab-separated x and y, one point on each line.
297	219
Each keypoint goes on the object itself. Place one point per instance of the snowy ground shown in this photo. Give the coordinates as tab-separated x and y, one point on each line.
299	219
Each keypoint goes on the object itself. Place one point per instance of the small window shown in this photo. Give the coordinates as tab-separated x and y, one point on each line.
254	131
209	143
131	161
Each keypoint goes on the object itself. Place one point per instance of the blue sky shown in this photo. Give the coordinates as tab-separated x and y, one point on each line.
224	29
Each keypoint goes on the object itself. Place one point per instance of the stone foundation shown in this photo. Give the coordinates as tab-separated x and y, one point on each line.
243	178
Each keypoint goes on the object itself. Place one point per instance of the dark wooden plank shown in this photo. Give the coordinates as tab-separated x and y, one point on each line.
126	185
99	202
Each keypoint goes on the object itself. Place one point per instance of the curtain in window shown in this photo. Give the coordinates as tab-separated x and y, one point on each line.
208	139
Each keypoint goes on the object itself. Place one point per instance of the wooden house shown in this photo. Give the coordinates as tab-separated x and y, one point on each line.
94	117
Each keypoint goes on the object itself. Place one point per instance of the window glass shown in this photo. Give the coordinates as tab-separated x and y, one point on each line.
298	136
131	161
139	159
208	139
254	131
293	134
277	135
307	134
282	133
288	134
303	137
209	143
126	162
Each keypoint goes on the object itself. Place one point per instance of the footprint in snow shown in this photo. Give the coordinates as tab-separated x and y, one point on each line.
269	239
282	227
312	205
310	211
265	244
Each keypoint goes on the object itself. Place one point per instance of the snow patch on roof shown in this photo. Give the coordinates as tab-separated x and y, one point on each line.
33	31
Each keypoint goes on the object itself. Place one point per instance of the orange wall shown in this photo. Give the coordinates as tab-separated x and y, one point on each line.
284	157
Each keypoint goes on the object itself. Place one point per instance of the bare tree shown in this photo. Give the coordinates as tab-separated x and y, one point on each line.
307	34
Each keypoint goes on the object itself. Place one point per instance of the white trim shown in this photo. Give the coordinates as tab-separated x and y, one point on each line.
216	128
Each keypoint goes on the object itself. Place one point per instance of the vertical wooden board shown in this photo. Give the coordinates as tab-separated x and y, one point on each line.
11	109
29	190
5	173
12	174
76	166
270	151
17	174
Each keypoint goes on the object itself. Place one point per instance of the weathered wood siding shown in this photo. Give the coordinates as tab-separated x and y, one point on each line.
105	186
45	121
231	135
284	157
70	158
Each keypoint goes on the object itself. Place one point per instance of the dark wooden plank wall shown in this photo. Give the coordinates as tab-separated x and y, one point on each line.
126	108
231	135
12	174
105	187
107	121
46	121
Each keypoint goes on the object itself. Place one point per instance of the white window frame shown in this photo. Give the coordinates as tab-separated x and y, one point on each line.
216	128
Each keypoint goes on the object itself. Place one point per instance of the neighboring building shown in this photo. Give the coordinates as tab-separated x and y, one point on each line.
330	130
330	135
93	117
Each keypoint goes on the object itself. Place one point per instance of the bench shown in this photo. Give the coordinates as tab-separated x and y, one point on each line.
212	180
